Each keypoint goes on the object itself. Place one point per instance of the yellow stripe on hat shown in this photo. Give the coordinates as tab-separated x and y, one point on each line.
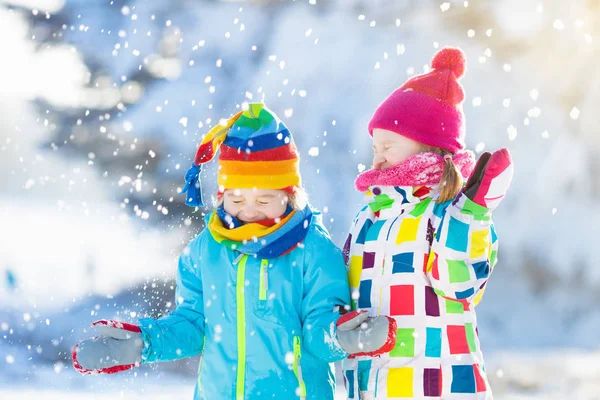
229	167
259	181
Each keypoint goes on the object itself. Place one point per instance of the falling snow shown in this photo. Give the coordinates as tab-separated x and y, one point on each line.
103	108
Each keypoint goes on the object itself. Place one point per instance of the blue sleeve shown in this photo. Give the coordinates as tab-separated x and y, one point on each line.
181	333
325	289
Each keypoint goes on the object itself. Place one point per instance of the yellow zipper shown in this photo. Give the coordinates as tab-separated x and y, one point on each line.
241	325
298	368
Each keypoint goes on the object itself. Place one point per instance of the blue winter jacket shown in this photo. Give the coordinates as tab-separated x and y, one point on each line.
266	329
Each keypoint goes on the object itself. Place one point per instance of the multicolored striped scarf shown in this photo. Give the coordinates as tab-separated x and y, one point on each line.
258	238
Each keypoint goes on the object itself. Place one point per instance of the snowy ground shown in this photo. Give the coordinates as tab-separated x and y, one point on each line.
558	375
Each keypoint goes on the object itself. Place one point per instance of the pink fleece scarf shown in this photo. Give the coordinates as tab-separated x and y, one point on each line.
420	169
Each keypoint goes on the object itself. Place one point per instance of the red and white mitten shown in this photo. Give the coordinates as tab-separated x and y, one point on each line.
490	179
360	335
118	348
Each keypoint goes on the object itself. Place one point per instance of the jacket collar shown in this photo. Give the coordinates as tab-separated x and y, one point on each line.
396	197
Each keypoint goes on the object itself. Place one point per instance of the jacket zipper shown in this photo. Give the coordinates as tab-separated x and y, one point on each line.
240	261
264	280
238	258
298	368
200	366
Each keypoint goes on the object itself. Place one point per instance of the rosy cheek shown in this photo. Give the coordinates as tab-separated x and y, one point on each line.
267	211
273	210
398	156
232	208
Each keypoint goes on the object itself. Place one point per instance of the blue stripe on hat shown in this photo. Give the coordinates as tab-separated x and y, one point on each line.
263	142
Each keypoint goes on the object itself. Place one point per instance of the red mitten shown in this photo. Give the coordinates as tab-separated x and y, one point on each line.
490	179
360	335
119	348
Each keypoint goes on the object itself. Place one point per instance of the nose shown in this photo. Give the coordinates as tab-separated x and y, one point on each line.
250	212
378	161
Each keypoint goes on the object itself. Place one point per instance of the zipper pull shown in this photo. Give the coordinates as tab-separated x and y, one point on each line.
266	280
265	265
297	347
237	259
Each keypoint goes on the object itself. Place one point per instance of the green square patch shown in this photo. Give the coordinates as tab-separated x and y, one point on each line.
458	270
454	307
478	212
405	343
420	208
471	337
493	258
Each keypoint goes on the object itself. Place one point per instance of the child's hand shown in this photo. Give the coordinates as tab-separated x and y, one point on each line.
118	349
360	335
490	179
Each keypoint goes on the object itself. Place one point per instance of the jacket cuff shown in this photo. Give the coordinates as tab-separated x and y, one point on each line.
469	207
151	336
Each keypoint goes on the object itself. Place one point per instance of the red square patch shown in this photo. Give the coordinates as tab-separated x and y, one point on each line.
403	300
479	381
435	273
457	338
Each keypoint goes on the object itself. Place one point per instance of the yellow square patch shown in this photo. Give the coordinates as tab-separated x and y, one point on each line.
478	298
430	260
400	382
408	230
355	270
480	242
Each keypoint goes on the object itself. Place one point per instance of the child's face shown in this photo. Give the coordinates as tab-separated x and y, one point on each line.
390	148
250	205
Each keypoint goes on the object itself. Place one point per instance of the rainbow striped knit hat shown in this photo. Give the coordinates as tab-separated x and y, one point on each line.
257	150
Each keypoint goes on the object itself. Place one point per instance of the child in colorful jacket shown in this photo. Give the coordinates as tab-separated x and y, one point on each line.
260	291
424	247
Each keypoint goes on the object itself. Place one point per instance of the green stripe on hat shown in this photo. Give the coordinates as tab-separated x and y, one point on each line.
248	122
255	117
254	109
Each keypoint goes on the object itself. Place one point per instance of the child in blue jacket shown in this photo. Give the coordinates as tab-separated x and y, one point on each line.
260	292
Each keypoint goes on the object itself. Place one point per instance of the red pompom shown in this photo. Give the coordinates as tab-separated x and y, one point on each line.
450	58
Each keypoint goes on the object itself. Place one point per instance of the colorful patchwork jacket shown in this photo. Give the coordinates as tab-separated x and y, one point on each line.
426	265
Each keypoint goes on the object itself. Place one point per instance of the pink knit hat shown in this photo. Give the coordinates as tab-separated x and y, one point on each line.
427	108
